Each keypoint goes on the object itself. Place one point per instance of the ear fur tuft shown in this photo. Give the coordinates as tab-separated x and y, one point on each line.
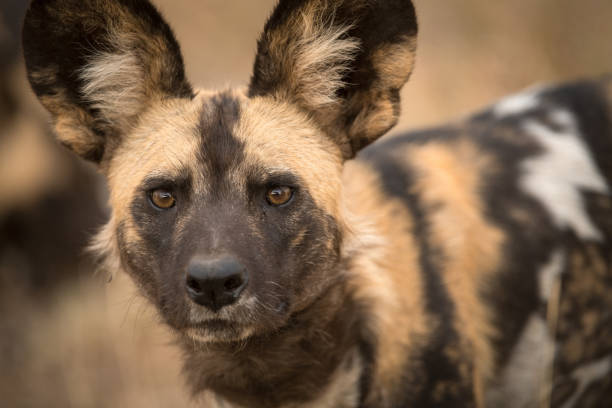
344	61
97	64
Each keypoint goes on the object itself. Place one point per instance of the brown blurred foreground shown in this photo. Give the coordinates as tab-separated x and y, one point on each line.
68	339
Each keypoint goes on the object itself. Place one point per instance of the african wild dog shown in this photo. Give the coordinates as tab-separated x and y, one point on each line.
449	267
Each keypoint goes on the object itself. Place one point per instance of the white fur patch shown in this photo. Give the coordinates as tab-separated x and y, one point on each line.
322	58
525	373
586	374
199	314
114	84
557	176
104	248
199	337
550	272
517	104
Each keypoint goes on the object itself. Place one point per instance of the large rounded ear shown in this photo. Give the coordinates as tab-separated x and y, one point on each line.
97	64
343	61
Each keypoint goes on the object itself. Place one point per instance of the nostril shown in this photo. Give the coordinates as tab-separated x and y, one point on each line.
194	285
216	282
232	283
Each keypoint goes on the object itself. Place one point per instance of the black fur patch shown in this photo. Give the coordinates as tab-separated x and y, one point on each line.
374	25
220	151
364	93
60	37
532	236
46	36
438	368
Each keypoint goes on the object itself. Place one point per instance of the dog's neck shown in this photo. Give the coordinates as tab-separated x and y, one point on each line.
289	368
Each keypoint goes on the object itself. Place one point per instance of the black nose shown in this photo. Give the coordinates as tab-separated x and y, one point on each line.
217	282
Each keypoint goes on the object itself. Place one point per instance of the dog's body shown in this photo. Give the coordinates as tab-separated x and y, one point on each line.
444	268
501	208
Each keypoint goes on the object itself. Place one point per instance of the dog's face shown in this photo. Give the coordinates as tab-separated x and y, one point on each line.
226	206
226	211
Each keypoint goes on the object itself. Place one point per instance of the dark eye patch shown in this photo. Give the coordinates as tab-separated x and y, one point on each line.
261	182
160	182
180	182
177	186
281	179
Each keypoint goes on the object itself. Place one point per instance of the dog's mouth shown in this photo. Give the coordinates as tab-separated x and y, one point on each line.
234	323
217	330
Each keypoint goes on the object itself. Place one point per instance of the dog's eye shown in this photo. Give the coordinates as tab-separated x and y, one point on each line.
162	199
279	195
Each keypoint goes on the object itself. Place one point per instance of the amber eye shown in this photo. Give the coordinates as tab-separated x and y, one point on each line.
279	195
162	199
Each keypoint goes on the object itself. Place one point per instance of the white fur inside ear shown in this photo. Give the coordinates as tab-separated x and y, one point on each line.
322	57
115	85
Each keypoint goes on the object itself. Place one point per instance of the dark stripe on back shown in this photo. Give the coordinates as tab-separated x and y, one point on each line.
530	233
367	350
529	241
438	368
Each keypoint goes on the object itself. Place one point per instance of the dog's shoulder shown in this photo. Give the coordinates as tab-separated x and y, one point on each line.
547	149
515	196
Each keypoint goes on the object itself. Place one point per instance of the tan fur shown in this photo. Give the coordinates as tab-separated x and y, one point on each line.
73	126
128	69
104	247
165	143
384	265
111	88
448	180
307	122
120	83
310	60
394	64
277	135
316	55
374	121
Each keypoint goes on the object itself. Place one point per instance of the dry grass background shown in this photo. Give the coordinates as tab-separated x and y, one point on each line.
70	340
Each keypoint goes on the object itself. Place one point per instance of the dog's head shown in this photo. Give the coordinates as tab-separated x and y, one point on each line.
226	206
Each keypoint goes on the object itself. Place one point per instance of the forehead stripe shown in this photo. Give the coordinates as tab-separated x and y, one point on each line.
220	149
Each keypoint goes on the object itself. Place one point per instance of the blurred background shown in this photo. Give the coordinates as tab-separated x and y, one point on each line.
69	338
